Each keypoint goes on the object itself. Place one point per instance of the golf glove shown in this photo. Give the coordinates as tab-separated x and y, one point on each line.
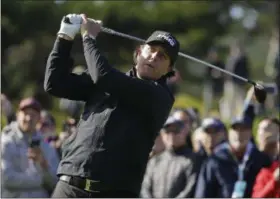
70	25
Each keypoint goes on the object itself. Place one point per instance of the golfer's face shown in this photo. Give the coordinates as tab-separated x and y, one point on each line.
152	62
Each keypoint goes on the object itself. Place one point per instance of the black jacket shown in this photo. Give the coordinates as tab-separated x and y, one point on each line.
121	118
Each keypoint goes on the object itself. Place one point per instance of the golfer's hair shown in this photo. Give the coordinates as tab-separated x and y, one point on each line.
135	53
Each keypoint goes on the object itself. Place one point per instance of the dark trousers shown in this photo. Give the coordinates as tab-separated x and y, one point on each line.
64	190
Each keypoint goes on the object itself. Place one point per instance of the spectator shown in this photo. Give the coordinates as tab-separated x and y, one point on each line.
267	183
214	134
7	109
158	146
234	88
28	165
231	170
214	80
190	118
197	139
268	137
172	173
47	125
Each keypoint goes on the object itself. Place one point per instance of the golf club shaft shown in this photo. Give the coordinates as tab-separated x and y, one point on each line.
113	32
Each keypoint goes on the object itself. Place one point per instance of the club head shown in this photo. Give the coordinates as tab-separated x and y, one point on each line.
260	93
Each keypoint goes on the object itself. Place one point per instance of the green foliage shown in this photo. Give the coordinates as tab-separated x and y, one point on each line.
29	29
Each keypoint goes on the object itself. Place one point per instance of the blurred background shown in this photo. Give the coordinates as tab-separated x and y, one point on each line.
205	29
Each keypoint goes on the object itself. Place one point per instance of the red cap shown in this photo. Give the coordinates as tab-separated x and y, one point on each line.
30	103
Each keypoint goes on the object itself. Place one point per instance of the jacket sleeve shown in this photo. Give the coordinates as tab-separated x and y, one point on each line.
147	185
207	182
263	188
59	81
191	177
134	92
249	111
12	178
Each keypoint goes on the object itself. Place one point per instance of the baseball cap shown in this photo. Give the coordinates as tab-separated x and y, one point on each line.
212	123
242	120
30	103
172	121
168	41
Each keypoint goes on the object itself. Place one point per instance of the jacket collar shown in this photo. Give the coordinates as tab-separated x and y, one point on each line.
161	80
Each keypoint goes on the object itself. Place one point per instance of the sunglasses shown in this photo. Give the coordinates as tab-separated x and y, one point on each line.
173	128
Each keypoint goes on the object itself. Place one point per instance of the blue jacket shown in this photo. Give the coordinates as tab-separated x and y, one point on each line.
220	172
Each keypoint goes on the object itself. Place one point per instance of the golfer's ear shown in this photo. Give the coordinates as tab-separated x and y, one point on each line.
136	53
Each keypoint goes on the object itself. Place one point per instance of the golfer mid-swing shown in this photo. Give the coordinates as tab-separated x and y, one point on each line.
123	113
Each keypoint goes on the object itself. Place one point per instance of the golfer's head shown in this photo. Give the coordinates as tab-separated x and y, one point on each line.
157	56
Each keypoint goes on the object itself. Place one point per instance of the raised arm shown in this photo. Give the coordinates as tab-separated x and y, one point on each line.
59	81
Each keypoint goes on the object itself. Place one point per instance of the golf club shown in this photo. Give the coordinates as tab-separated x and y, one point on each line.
260	92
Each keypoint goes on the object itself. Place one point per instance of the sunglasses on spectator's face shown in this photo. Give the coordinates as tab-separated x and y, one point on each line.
46	124
211	130
174	128
240	127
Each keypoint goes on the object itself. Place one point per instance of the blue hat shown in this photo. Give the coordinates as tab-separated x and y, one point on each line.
242	120
172	120
214	123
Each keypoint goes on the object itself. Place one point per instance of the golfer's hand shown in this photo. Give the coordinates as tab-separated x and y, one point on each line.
90	27
70	26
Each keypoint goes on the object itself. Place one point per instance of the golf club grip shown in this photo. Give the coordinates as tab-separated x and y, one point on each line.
113	32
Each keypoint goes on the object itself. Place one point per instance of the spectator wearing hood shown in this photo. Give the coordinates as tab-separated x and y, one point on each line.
171	173
231	170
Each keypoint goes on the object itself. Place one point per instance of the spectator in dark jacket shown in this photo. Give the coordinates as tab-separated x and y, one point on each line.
123	113
215	134
231	170
214	80
172	173
237	63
